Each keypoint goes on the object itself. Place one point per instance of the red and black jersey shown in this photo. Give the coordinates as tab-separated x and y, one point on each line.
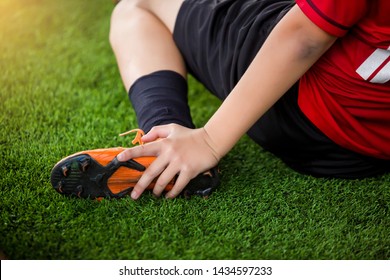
346	94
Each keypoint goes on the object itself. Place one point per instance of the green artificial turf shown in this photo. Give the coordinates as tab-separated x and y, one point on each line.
61	93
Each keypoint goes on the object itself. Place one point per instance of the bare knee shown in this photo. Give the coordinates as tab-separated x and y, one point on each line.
127	13
134	12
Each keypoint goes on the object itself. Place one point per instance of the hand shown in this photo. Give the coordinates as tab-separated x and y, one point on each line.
180	151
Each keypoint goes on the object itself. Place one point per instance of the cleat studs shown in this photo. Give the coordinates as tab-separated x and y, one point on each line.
79	190
98	179
59	186
84	163
65	170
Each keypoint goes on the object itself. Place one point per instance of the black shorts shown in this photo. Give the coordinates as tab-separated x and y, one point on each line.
218	40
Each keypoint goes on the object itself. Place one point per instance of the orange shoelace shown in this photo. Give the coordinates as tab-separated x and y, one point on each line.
137	139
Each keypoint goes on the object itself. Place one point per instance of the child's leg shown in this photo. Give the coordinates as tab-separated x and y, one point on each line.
151	66
141	37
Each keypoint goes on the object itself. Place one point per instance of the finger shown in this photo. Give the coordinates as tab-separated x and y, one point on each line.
154	170
150	149
164	179
181	181
161	131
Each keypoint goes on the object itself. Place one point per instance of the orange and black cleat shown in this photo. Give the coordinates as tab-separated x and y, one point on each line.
99	174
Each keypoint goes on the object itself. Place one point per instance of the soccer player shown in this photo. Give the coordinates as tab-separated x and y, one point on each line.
308	80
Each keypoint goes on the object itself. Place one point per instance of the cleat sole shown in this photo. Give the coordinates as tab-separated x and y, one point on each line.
98	174
84	177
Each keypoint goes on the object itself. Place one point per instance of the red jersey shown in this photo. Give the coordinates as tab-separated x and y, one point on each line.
346	94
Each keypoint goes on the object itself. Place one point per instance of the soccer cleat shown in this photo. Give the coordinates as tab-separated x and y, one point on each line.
99	174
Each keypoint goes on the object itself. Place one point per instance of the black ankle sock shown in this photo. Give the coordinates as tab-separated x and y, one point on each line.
161	98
